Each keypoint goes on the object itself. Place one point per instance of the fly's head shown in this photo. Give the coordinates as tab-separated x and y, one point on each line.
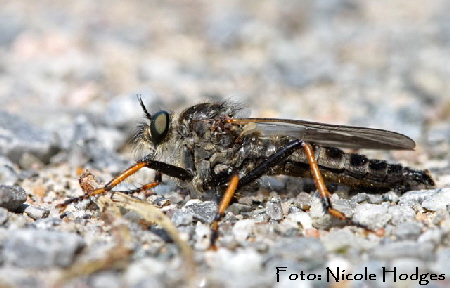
155	132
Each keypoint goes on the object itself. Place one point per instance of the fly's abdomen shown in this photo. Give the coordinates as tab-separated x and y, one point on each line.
356	170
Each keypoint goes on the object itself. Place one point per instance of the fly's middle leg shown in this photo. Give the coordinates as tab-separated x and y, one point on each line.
224	203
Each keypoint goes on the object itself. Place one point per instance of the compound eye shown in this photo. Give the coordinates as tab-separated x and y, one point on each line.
159	126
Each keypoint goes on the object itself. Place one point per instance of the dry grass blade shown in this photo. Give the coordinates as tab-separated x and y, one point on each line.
119	255
153	214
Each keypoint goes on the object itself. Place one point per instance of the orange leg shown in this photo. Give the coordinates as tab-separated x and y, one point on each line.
114	182
281	155
145	187
320	184
224	203
119	179
160	167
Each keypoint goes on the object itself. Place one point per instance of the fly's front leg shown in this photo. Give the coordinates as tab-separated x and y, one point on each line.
108	187
160	167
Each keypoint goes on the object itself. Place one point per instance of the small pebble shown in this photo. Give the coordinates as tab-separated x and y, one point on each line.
375	199
360	197
18	136
202	211
302	219
412	198
243	229
238	208
202	237
260	215
344	206
106	279
294	209
438	200
321	218
338	240
433	236
245	262
390	197
29	248
303	200
36	212
343	240
311	251
440	216
161	201
11	197
372	215
181	218
408	231
402	249
141	271
47	223
400	214
273	208
9	172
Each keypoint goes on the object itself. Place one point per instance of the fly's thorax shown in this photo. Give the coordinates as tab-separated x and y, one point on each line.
212	156
212	165
207	120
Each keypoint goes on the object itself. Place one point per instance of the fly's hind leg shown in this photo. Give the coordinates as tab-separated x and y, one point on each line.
320	184
325	195
283	154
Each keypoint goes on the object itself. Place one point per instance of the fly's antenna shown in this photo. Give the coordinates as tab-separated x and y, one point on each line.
147	115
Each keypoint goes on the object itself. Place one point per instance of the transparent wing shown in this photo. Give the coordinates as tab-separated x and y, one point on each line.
331	135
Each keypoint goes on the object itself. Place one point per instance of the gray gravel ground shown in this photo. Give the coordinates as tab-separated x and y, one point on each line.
69	75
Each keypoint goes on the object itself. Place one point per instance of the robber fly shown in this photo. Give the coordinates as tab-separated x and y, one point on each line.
209	150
